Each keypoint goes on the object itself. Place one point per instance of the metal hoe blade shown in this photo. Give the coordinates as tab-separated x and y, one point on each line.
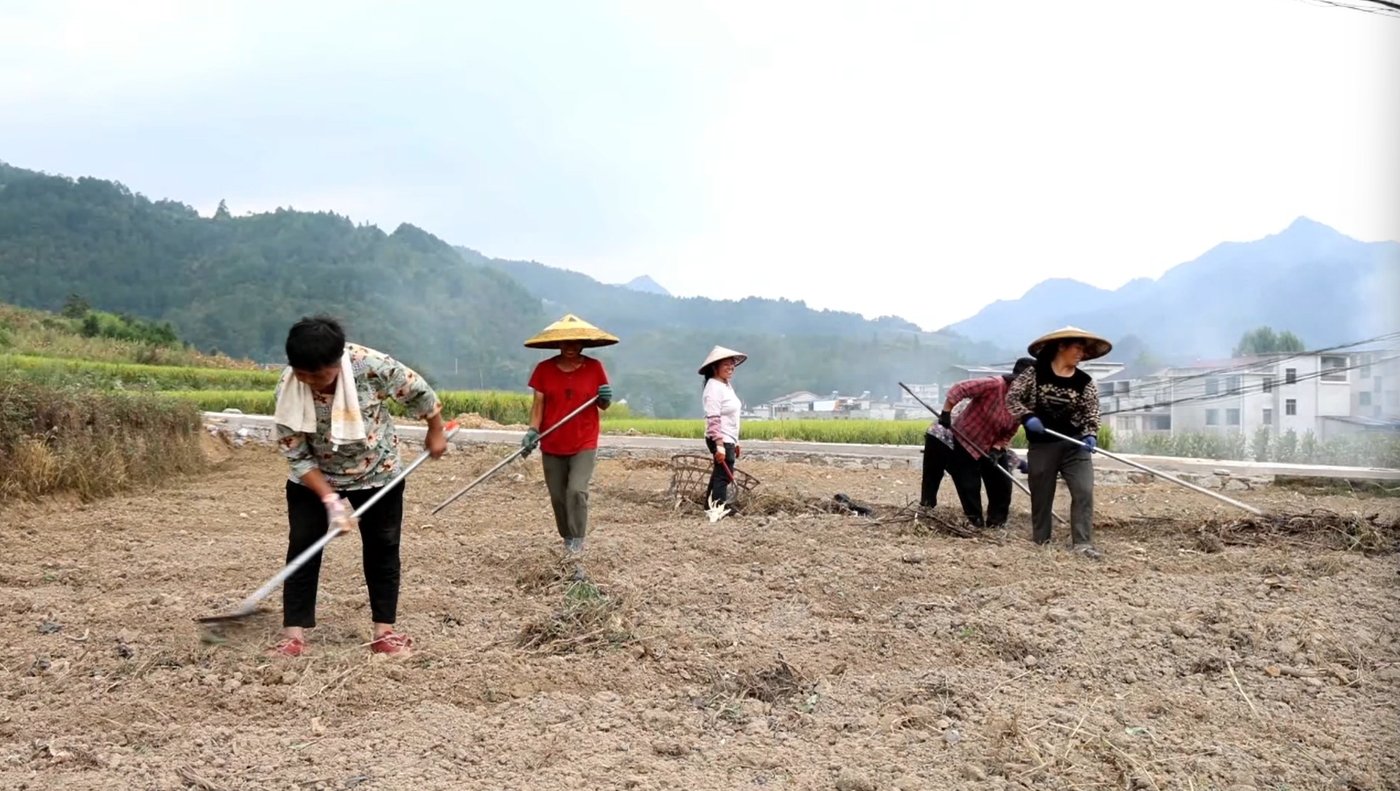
250	604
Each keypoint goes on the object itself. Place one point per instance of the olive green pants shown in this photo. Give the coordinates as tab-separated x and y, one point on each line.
567	479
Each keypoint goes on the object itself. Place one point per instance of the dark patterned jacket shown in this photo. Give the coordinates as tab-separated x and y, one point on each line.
1069	405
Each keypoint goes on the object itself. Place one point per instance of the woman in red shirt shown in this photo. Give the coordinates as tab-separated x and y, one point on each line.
562	384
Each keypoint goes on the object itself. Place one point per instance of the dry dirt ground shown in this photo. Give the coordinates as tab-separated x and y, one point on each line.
794	650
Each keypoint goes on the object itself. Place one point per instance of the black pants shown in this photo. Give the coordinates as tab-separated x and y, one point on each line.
1048	461
969	475
380	528
719	480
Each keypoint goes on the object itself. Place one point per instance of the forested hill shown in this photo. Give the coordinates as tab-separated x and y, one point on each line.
234	284
628	310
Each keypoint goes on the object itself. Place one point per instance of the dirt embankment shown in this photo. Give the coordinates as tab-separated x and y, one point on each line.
792	647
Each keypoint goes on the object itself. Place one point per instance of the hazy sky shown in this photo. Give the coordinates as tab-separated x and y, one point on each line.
927	157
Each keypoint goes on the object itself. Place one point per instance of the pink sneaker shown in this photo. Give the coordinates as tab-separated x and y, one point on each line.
392	644
289	647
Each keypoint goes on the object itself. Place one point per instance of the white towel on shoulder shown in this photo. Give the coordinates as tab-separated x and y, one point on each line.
296	406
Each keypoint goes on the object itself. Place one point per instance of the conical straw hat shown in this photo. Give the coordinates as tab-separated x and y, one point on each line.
1094	346
570	328
720	353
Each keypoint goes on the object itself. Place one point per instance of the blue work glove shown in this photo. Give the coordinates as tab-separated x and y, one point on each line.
1092	443
1023	468
531	440
604	395
1034	425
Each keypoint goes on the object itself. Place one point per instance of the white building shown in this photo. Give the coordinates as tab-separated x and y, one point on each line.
1302	392
1130	400
929	394
805	405
1375	382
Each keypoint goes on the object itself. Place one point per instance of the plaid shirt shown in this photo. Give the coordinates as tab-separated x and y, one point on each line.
984	419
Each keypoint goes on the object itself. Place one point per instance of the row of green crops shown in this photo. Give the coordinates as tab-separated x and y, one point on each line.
514	409
505	408
859	432
57	371
865	432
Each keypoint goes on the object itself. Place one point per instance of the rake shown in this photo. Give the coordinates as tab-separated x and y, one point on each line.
513	456
250	604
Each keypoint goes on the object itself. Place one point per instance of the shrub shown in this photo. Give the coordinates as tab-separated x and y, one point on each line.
58	439
1260	445
1348	450
98	324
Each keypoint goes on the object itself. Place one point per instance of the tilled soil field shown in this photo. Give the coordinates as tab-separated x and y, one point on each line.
788	647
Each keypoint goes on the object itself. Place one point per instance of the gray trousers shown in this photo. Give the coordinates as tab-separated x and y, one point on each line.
567	479
1048	461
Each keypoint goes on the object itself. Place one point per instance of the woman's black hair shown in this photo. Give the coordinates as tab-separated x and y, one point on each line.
1021	365
1047	352
315	343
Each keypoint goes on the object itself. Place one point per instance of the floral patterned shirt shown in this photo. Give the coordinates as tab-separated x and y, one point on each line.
374	462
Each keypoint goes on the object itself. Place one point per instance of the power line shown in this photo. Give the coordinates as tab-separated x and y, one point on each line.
1380	7
1263	362
1249	390
1271	361
1243	391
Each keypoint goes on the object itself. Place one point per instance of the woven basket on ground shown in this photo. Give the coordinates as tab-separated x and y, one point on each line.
690	480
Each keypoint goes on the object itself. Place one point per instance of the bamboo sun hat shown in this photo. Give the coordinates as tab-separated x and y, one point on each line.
1094	346
570	328
720	353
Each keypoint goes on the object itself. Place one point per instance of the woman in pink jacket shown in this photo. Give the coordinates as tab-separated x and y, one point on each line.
722	407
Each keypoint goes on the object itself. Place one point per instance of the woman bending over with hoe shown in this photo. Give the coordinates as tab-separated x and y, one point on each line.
562	384
1056	394
339	438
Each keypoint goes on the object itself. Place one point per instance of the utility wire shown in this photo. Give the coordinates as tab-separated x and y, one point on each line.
1242	391
1286	356
1381	7
1264	362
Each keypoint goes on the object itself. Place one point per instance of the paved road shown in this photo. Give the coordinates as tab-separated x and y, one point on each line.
899	453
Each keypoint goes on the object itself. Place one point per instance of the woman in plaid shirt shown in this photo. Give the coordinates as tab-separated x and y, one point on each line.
970	454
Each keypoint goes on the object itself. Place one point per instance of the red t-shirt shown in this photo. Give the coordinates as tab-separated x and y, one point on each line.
563	393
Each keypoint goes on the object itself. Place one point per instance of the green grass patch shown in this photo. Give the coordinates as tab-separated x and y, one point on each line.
59	372
37	333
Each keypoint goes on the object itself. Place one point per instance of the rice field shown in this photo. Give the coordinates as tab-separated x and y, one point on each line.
504	408
251	392
59	371
862	432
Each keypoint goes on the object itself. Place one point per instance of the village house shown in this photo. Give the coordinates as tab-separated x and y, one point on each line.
1326	393
805	405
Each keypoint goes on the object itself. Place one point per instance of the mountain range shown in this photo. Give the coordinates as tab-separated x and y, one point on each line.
1324	286
645	284
234	284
